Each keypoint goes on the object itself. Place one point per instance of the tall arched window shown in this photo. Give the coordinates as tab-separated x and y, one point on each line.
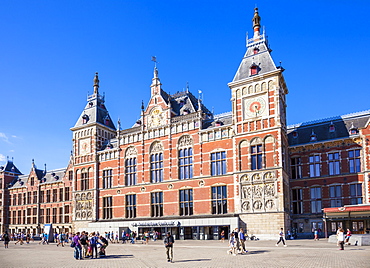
256	154
186	163
156	167
84	180
130	166
185	157
156	162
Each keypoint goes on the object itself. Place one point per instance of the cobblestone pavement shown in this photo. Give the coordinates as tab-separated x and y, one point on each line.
298	253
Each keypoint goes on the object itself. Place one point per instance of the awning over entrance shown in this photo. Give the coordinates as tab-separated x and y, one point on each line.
353	211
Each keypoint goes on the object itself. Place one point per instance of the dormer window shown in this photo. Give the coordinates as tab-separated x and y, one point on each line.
218	123
313	136
255	50
353	130
85	118
106	120
254	70
186	111
182	102
295	134
91	104
138	122
331	127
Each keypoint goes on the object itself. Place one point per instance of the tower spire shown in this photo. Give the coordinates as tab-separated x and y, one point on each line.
256	23
96	83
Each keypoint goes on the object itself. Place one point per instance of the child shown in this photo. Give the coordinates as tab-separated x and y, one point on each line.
232	245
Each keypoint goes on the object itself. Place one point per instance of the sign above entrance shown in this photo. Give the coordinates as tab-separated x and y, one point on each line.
156	224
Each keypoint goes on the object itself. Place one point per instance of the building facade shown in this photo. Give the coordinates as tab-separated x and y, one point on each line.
183	169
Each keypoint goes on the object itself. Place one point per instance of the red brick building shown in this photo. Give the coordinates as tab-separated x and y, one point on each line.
184	169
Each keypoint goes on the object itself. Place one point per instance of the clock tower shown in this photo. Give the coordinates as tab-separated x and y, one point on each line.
93	129
260	141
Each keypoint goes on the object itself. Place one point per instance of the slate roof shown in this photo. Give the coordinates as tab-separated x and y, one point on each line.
222	119
10	167
50	176
262	59
186	101
301	133
95	112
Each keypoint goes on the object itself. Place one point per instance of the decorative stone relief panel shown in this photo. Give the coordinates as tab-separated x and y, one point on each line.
258	191
185	141
83	206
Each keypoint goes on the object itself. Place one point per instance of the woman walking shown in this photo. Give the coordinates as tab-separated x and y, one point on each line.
340	237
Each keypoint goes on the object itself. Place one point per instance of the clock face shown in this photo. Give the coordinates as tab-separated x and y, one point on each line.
84	146
156	118
255	107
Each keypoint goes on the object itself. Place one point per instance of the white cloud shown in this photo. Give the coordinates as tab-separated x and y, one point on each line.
2	158
13	136
4	137
11	151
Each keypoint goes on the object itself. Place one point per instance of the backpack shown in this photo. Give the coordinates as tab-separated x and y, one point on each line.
83	240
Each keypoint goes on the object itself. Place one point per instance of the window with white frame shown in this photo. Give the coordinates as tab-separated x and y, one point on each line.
315	165
296	167
334	163
354	161
185	163
218	163
297	201
355	193
130	168
107	178
156	167
316	201
335	194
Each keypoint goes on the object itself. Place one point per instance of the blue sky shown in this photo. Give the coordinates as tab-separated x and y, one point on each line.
50	51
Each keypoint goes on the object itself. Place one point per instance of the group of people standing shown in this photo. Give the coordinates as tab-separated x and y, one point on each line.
86	245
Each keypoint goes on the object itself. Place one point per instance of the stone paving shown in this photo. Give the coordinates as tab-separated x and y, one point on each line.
188	253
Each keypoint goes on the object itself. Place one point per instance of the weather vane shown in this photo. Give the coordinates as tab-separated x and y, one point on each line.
154	58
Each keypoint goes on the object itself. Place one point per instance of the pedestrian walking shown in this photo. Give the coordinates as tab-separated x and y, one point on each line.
281	238
315	235
6	239
242	241
347	237
84	243
123	236
232	244
340	238
168	243
222	236
236	235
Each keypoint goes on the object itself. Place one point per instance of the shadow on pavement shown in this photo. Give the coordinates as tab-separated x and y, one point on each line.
257	252
117	256
194	260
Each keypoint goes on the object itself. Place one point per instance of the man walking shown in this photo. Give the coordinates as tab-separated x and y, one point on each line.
242	241
168	243
236	235
281	239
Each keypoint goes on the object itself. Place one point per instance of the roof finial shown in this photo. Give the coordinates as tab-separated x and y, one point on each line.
142	105
45	167
96	83
256	23
33	163
119	124
187	86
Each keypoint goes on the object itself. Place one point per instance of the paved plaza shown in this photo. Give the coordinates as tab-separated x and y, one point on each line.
299	253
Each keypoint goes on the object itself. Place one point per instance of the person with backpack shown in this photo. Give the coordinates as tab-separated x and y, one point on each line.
6	239
93	245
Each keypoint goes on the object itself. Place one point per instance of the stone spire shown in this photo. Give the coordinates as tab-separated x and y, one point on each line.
96	83
256	23
156	83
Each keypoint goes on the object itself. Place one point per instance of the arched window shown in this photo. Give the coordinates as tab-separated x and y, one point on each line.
256	154
84	180
156	167
186	163
185	157
130	165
